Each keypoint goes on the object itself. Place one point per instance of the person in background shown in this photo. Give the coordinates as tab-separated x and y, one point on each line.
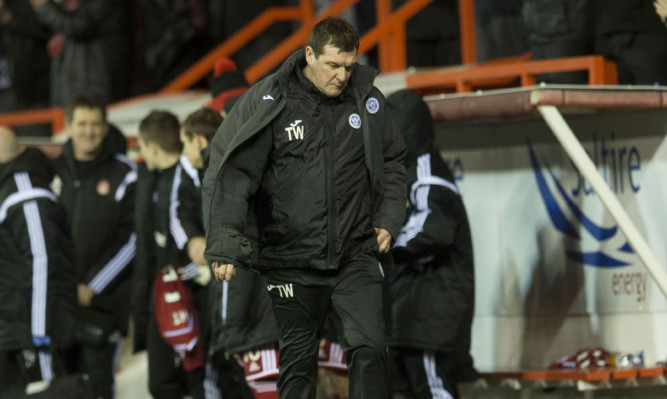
499	29
90	50
227	84
24	63
37	283
229	17
432	286
312	155
197	132
432	36
630	33
95	183
167	235
558	29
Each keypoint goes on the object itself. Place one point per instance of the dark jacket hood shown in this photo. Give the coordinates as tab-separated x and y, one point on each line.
31	160
414	121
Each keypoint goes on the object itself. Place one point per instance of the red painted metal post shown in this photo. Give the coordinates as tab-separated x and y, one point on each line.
467	29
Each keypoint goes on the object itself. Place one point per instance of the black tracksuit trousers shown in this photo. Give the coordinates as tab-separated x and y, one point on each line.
302	299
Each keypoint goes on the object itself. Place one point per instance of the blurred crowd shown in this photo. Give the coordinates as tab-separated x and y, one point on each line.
53	50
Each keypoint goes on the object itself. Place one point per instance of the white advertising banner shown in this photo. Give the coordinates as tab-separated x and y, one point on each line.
554	273
544	243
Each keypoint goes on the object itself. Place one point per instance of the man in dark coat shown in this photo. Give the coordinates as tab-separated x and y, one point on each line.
96	186
36	274
432	286
312	155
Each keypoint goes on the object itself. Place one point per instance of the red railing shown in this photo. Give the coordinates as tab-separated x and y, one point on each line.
389	36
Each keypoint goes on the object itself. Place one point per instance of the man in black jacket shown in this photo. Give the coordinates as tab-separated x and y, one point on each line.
306	184
36	275
96	185
433	284
168	222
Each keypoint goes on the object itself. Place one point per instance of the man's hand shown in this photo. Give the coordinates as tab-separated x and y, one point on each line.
661	8
223	271
37	4
384	239
85	295
196	246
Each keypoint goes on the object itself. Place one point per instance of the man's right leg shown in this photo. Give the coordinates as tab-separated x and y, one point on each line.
299	312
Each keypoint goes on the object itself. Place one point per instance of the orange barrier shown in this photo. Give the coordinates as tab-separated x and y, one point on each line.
584	378
54	116
233	44
389	35
594	374
520	73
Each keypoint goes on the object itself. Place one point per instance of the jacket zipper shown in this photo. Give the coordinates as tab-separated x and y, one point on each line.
331	192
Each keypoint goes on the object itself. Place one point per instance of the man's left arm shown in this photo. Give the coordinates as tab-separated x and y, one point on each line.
113	264
391	212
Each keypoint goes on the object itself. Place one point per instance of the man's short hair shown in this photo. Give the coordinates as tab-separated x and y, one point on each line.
204	122
90	102
162	128
334	31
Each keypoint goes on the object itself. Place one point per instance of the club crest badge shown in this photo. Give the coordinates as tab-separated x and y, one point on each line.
372	105
355	121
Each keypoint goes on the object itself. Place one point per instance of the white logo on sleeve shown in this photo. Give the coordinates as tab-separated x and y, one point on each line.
355	121
295	130
267	97
372	105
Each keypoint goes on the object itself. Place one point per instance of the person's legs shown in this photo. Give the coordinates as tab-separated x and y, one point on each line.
357	300
300	312
231	379
399	381
428	373
163	378
9	375
99	363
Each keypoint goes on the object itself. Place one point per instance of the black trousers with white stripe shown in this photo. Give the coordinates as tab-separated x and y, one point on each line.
419	374
18	368
302	298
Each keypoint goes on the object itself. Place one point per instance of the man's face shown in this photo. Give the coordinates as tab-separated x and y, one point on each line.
331	71
87	130
192	149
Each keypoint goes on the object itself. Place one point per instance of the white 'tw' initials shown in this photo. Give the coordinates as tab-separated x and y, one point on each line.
285	290
295	130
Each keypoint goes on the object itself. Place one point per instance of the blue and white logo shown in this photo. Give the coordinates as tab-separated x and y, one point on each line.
355	121
561	220
372	105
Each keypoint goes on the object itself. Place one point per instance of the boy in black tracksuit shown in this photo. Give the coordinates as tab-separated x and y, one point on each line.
240	323
95	182
432	286
37	282
162	237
